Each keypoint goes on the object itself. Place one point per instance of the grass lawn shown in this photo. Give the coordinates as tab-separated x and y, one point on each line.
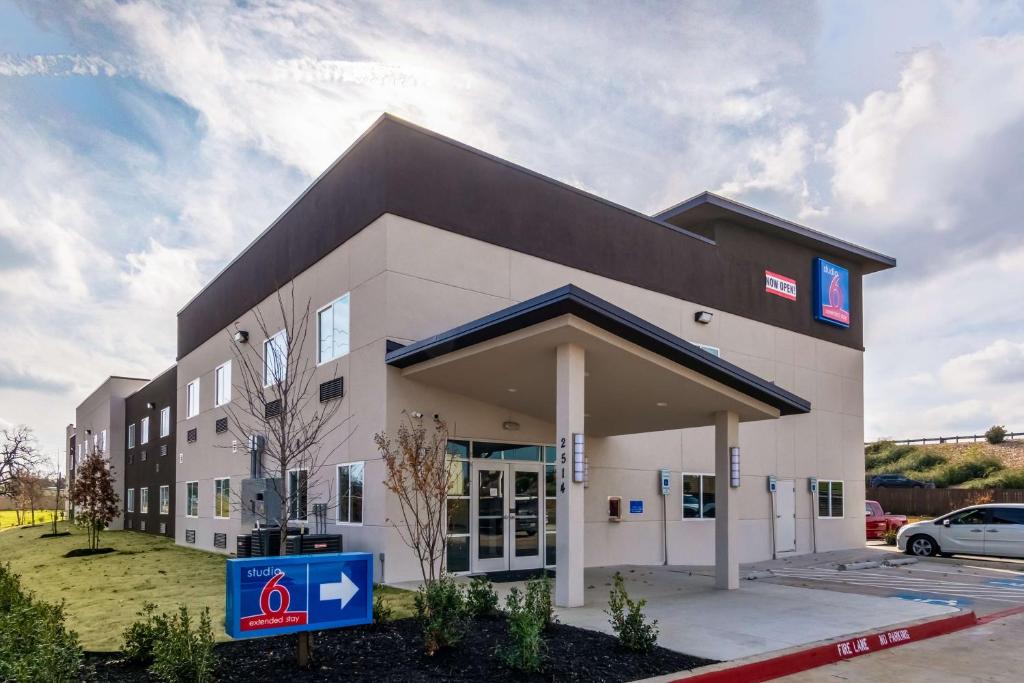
9	518
103	593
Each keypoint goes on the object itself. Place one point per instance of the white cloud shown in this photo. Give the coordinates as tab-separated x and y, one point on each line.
988	369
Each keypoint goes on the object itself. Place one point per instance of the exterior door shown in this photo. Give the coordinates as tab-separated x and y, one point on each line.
490	506
1004	534
966	532
785	516
526	511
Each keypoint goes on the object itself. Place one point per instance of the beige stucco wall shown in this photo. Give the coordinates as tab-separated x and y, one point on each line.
409	281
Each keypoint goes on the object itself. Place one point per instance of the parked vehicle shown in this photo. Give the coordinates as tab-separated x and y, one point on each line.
897	481
993	529
878	522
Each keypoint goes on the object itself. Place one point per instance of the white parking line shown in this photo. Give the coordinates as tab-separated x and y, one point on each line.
902	582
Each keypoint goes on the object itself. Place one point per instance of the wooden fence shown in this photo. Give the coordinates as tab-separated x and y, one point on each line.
935	502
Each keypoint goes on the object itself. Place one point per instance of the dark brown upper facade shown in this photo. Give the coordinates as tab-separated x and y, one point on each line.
707	250
151	464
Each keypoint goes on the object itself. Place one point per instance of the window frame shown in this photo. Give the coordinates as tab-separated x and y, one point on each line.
266	366
191	393
347	296
290	499
217	483
165	411
144	431
165	499
143	500
188	498
131	435
362	494
217	388
129	503
830	515
700	497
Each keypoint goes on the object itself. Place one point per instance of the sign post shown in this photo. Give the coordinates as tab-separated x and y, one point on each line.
270	596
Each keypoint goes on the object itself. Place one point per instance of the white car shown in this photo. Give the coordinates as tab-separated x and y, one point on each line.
994	529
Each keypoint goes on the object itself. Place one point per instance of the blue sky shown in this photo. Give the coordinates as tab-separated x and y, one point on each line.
144	144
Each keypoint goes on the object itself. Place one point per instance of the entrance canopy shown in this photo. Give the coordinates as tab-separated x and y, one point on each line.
639	378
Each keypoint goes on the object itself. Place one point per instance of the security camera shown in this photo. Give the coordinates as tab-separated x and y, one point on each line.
416	414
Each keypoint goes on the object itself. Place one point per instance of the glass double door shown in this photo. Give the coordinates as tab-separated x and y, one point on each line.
508	516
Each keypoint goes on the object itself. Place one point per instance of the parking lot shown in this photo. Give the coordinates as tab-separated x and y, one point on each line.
983	585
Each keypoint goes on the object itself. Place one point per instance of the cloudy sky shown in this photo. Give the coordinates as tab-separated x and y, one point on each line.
142	145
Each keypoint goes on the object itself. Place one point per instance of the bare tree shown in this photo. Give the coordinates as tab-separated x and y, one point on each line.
420	472
18	454
59	483
279	387
94	497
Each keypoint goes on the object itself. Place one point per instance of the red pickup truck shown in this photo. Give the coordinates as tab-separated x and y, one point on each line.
878	522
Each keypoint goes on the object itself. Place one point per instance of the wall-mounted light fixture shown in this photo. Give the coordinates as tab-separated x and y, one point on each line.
510	425
241	337
734	467
150	405
88	431
703	317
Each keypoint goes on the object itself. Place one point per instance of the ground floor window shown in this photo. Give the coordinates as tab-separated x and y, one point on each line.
222	498
130	502
165	500
457	510
830	498
192	499
698	496
350	493
298	488
144	500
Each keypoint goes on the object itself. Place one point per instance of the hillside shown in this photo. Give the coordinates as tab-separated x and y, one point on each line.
964	465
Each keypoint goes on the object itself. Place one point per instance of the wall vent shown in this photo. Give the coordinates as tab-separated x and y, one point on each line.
272	409
222	425
163	527
190	536
163	450
142	525
220	540
192	435
332	389
142	456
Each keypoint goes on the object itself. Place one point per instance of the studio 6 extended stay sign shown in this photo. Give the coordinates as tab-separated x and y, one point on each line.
268	596
780	285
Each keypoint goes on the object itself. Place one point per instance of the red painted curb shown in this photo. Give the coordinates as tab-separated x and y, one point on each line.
820	655
988	618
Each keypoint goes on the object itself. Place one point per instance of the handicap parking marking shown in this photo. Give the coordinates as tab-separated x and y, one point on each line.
933	599
1005	583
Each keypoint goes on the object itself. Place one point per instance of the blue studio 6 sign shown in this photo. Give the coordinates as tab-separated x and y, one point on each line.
831	293
268	596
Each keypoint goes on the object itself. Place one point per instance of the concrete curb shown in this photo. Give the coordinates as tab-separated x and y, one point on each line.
850	566
899	561
802	659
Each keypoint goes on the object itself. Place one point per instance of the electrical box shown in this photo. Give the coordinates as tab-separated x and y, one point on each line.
666	482
614	508
261	501
772	484
812	484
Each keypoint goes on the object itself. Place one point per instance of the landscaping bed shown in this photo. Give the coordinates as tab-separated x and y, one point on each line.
394	651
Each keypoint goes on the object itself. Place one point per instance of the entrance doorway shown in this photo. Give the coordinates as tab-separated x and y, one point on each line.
785	516
508	511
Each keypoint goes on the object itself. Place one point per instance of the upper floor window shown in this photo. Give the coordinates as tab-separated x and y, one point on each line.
103	441
332	325
131	435
192	398
275	359
144	430
222	384
165	421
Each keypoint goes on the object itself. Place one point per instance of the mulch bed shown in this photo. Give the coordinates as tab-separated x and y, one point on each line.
392	652
87	552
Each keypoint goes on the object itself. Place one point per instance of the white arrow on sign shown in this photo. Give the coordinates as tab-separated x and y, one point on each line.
344	590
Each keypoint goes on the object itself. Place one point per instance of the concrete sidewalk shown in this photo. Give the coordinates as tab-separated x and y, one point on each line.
759	617
988	652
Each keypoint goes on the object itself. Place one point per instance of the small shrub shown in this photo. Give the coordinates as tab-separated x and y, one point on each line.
628	621
525	649
995	434
975	465
143	634
382	611
185	654
883	461
35	644
442	611
539	600
481	600
889	537
878	447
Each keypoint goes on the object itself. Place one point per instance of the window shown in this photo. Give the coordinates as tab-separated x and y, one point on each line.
144	431
103	441
1007	516
973	516
457	508
144	499
165	421
713	350
275	359
698	496
298	483
130	503
830	498
222	497
350	493
165	500
332	324
131	435
192	398
222	384
192	499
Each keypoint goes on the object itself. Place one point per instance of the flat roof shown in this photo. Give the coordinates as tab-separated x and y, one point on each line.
570	299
